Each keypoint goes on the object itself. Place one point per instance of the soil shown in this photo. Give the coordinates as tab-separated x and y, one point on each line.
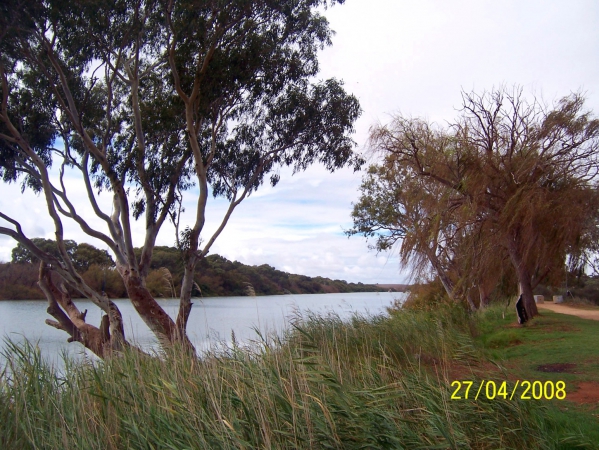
586	392
592	314
557	368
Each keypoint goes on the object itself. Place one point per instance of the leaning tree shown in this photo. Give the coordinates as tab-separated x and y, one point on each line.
143	100
433	228
521	178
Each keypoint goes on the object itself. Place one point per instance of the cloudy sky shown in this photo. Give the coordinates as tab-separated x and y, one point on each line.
413	57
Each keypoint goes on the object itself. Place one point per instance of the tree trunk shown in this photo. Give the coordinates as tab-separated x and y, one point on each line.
524	280
115	327
470	301
445	280
185	303
528	297
159	322
484	297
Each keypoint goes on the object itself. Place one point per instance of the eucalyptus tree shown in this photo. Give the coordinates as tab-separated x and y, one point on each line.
524	177
145	99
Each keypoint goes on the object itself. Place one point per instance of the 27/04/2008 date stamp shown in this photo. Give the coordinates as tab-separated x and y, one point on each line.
523	390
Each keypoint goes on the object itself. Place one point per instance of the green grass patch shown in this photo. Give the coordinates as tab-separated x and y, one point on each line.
550	338
551	347
502	339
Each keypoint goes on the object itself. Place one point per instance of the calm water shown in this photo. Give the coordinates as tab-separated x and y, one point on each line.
211	321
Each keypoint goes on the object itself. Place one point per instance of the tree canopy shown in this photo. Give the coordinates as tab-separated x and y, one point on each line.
144	100
509	182
83	255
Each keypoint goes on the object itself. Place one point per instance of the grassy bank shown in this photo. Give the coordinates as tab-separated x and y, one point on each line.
380	382
553	347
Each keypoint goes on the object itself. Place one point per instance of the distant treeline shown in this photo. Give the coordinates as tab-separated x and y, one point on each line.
215	276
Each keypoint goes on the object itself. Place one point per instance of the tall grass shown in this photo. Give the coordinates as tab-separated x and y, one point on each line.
371	382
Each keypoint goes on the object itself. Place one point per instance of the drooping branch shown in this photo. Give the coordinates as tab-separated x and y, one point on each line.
520	178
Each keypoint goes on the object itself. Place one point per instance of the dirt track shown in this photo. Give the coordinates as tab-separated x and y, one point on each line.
592	314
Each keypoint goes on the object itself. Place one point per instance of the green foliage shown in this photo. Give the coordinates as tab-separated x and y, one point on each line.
85	255
19	282
260	54
215	275
426	296
218	277
105	279
169	257
584	287
82	255
20	254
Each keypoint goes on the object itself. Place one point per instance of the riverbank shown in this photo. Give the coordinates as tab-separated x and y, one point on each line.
215	276
367	382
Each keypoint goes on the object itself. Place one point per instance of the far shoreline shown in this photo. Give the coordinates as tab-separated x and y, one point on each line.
291	294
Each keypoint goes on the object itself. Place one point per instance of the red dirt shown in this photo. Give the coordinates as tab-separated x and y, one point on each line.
586	392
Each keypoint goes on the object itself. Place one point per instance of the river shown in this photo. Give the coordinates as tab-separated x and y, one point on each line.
211	322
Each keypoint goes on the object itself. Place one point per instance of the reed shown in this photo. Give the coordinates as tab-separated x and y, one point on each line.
370	382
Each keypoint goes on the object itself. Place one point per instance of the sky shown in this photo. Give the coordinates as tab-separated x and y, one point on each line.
395	56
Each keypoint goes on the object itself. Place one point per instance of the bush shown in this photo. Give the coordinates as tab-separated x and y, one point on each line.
427	296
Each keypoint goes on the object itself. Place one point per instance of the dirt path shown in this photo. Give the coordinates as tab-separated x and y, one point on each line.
592	314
